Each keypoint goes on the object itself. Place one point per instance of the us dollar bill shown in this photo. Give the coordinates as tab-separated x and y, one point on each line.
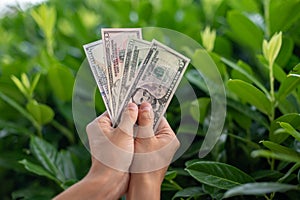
157	80
95	56
115	43
135	53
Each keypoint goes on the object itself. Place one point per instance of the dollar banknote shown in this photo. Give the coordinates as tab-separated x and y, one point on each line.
115	43
95	56
157	79
136	51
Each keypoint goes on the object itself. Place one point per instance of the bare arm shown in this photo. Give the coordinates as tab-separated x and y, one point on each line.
153	154
112	154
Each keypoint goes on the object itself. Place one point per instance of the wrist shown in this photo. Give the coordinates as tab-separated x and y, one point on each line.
108	182
149	178
144	186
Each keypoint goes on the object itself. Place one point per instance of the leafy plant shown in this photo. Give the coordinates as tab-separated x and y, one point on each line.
255	45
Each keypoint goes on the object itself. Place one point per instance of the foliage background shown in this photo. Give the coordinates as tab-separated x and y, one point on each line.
258	153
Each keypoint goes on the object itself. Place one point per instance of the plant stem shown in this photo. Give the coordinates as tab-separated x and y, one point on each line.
39	131
272	163
50	46
267	14
175	184
247	141
272	195
266	196
272	94
291	170
64	131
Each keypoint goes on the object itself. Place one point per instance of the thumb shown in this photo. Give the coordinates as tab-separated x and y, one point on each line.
128	118
145	121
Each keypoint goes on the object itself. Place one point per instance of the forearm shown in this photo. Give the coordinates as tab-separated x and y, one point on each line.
96	187
144	186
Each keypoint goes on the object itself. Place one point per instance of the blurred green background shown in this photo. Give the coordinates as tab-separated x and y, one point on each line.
258	153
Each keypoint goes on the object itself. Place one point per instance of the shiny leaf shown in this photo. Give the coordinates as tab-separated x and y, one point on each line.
218	175
259	189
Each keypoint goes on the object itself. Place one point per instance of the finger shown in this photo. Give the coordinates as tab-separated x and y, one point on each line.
164	128
145	121
163	124
113	150
104	119
128	118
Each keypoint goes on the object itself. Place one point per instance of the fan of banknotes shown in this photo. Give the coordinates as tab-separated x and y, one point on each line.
130	69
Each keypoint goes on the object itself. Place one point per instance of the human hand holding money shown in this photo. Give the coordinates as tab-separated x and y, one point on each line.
129	69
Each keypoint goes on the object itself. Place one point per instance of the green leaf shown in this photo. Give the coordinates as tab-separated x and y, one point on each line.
248	93
290	83
58	164
208	38
259	189
245	110
19	85
265	49
290	129
277	133
235	74
243	120
200	106
271	175
9	159
65	165
250	6
212	80
286	51
210	8
244	30
33	191
275	46
37	169
34	83
46	155
245	73
289	173
10	128
195	78
167	186
214	192
290	104
189	192
25	81
218	175
41	112
272	48
289	14
293	158
220	65
20	109
45	17
277	148
170	175
61	81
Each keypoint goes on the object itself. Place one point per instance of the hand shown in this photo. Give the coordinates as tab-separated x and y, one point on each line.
112	153
113	147
153	153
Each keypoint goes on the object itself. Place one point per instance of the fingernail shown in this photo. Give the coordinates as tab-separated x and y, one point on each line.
132	106
146	108
146	112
